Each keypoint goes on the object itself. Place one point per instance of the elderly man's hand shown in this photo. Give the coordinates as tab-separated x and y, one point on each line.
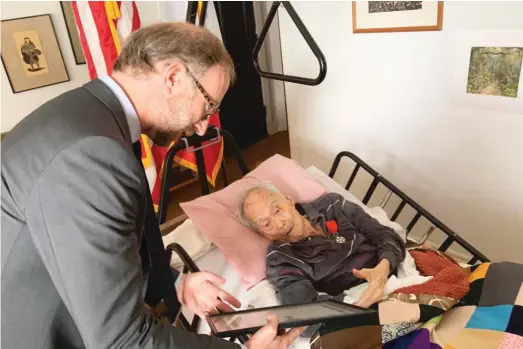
199	292
377	278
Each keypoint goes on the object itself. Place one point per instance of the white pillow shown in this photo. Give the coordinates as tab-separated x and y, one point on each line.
187	236
375	212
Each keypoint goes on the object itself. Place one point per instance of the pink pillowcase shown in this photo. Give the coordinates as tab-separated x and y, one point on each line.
214	215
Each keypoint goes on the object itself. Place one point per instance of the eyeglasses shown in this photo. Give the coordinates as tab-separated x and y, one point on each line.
212	107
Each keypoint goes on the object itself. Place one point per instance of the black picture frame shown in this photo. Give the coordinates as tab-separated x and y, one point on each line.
360	315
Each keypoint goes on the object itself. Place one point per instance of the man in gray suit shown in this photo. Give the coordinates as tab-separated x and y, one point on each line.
73	200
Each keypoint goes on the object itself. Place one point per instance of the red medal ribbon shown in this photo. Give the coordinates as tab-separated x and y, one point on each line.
332	226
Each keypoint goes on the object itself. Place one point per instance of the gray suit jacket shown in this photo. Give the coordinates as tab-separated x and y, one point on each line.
73	200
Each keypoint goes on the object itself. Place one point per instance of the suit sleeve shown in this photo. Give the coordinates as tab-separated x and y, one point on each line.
291	283
390	244
82	219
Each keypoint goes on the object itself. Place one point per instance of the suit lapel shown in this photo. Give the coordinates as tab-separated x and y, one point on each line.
160	284
107	97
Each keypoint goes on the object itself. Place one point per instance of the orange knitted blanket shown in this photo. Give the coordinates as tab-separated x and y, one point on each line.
449	279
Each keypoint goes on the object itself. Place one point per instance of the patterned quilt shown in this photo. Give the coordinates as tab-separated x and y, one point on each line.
489	316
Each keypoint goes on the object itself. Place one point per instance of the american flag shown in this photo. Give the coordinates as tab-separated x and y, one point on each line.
102	26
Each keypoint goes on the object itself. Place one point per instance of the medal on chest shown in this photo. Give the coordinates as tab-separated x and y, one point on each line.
340	239
332	228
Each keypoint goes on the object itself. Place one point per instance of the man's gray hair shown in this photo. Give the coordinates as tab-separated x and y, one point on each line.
194	46
240	212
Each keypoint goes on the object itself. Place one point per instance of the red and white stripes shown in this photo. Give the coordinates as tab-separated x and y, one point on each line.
129	19
103	25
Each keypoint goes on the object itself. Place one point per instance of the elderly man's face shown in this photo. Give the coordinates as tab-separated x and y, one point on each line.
274	215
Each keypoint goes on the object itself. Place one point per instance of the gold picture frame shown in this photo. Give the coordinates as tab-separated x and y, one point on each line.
72	30
30	53
396	16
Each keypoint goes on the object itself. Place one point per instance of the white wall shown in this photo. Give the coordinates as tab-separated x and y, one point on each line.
270	60
14	107
388	98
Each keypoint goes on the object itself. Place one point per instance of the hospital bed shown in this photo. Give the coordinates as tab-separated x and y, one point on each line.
213	260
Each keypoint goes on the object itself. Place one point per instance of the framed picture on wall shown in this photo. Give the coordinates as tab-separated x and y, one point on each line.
495	71
487	70
30	53
396	16
72	30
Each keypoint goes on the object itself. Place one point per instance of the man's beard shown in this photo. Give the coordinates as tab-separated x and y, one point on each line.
168	135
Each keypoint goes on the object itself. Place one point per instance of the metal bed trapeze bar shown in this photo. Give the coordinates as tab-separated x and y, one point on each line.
452	236
306	35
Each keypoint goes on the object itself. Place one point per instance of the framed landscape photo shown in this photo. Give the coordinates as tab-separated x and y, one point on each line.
30	53
487	70
396	16
72	30
495	71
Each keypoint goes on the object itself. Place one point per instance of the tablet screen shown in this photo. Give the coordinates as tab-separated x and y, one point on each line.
286	314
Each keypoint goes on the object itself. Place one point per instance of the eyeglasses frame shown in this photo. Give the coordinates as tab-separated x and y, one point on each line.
212	105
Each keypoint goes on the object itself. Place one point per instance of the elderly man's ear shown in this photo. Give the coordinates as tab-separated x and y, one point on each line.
291	201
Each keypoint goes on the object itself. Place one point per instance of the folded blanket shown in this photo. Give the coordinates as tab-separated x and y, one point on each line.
449	278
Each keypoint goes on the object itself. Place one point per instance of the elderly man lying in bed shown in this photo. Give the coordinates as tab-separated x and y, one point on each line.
328	245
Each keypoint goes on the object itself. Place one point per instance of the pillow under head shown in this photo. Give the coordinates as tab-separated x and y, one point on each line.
214	215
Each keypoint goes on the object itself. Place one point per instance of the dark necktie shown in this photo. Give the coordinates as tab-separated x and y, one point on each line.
161	277
144	250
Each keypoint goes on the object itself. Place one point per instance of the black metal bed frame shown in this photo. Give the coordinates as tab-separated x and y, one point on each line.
452	237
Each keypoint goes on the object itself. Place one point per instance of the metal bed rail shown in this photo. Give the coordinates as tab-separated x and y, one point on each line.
452	237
